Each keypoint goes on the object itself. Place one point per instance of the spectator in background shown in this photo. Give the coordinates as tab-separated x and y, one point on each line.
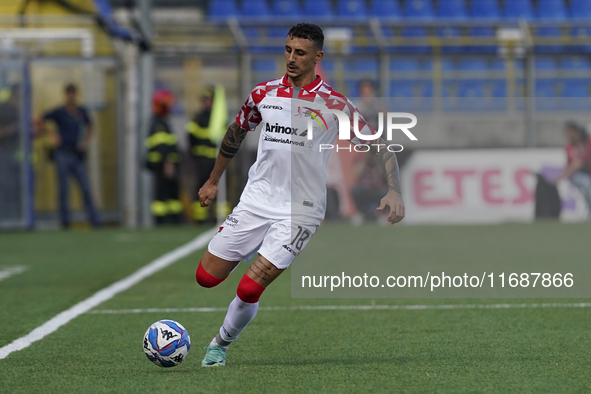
203	148
163	161
370	188
74	133
578	154
10	193
371	184
367	103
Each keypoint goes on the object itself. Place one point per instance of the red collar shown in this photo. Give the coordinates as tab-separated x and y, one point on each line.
309	87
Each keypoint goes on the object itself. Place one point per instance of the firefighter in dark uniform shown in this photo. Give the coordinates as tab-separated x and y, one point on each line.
163	160
203	147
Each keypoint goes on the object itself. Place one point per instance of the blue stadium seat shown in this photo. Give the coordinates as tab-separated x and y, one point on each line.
405	64
545	63
318	9
264	65
575	95
255	9
498	88
474	89
576	63
546	94
485	9
362	65
576	88
411	95
222	9
499	65
518	9
352	9
451	9
286	9
327	65
580	9
418	9
473	65
385	9
551	9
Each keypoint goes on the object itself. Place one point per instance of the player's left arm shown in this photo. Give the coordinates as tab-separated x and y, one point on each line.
393	198
389	164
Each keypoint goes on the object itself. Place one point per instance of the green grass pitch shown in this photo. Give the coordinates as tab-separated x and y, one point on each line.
529	350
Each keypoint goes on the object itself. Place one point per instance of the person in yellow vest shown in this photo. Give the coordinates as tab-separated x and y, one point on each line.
203	146
163	160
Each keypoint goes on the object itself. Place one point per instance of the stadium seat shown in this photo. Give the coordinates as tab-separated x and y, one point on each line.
518	9
385	9
222	9
451	9
580	9
409	95
405	64
264	66
575	95
362	65
473	65
352	9
498	88
546	94
255	9
286	9
418	9
485	9
318	9
474	89
551	9
576	63
499	65
576	88
545	63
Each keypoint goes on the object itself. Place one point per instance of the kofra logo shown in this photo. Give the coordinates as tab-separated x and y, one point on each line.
344	128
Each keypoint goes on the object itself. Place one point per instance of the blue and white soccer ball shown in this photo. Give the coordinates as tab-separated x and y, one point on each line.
166	343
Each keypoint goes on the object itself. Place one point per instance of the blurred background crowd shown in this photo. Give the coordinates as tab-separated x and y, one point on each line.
128	99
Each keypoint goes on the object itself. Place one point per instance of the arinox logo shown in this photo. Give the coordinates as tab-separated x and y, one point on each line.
284	130
267	106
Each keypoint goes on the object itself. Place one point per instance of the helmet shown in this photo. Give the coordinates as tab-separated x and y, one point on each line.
162	101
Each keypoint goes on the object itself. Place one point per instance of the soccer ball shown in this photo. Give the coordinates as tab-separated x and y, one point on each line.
166	343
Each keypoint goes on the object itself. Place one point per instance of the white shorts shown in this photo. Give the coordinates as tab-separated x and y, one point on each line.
244	233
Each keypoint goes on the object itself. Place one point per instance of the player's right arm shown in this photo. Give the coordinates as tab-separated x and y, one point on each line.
230	145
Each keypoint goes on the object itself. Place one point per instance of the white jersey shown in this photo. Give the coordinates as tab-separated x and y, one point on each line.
288	179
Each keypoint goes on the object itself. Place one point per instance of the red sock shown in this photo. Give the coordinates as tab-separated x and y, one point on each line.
205	279
249	290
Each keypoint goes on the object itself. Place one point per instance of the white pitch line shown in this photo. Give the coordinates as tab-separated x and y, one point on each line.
347	308
107	293
7	272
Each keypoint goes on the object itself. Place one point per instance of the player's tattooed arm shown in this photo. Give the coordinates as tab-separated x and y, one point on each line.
232	140
389	166
393	199
230	145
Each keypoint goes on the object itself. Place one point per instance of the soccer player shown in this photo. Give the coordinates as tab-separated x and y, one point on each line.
284	200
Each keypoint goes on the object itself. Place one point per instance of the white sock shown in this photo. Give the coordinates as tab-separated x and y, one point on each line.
239	314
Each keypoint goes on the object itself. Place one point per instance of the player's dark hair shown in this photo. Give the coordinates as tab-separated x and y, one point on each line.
571	125
70	88
308	31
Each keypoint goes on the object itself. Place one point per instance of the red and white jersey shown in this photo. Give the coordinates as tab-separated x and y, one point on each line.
288	179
